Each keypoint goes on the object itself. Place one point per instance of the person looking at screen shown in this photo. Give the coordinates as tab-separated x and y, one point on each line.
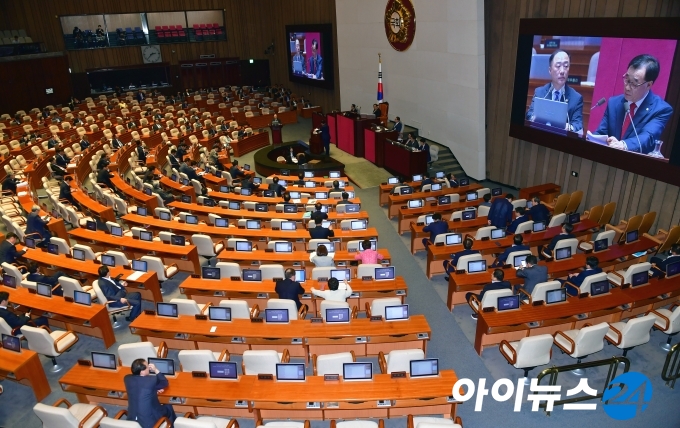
376	111
289	289
520	218
336	292
315	62
369	255
118	297
15	321
539	212
298	57
649	112
321	257
533	274
558	90
659	265
497	283
577	279
450	265
517	245
142	391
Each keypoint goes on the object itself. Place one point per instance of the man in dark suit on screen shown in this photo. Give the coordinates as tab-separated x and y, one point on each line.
649	112
558	90
315	62
142	387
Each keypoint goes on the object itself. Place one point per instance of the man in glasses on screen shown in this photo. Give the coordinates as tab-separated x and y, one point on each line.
634	120
558	90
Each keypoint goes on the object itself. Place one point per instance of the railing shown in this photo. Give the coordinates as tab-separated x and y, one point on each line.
553	373
671	368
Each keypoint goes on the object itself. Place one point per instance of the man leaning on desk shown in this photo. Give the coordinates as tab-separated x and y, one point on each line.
143	387
15	322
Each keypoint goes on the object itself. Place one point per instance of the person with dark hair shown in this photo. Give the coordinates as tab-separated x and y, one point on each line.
565	234
539	212
345	199
84	144
337	291
354	109
321	257
315	62
533	274
429	179
368	255
275	186
436	228
521	218
114	291
249	183
398	126
487	200
8	249
35	275
376	110
517	245
301	179
638	105
659	265
500	213
317	215
577	279
411	141
497	283
236	173
143	387
104	177
286	198
65	191
189	171
61	159
288	288
451	179
36	224
450	265
320	232
424	147
141	153
10	183
14	321
558	90
174	162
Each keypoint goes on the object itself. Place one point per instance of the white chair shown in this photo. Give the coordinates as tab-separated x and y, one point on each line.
119	257
155	264
511	257
69	285
587	282
205	246
489	300
231	242
581	343
89	253
539	291
293	312
78	415
198	360
668	322
272	271
228	269
564	243
483	211
377	306
399	360
189	307
367	270
111	309
607	234
432	422
6	329
313	243
331	363
557	220
626	276
519	203
49	343
627	335
204	422
117	422
523	227
240	309
462	263
484	232
528	353
263	361
129	352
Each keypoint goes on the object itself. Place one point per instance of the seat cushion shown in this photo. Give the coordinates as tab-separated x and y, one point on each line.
65	342
564	342
357	424
617	325
218	422
80	410
431	421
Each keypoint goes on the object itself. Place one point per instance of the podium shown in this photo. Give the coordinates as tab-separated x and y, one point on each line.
351	132
402	161
276	134
315	143
375	143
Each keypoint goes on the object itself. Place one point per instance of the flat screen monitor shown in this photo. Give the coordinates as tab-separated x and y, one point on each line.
639	278
283	183
53	249
246	167
244	246
276	315
599	287
672	269
415	203
11	343
340	274
352	208
253	224
290	372
508	302
496	191
164	215
417	177
233	205
246	192
82	297
257	180
173	177
261	207
191	219
9	281
631	236
295	195
186	199
209	202
288	225
252	275
444	200
145	235
475	266
471	196
517	261
139	265
218	313
300	275
453	239
396	313
424	368
178	240
358	225
283	247
141	211
285	172
310	184
185	182
117	231
146	191
392	180
321	195
91	225
289	208
439	174
221	222
436	187
374	245
469	214
226	370
384	273
406	190
538	227
337	315
464	182
29	242
210	272
497	233
563	253
574	218
164	365
357	371
167	310
224	189
428	219
102	360
600	245
108	260
556	296
309	174
334	174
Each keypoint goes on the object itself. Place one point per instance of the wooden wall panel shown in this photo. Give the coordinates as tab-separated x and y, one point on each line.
251	26
519	163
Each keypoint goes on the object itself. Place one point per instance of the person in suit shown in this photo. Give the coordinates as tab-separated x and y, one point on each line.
14	321
65	191
315	62
10	183
289	289
424	147
140	95
649	112
61	159
53	142
321	257
398	126
336	186
279	189
354	109
659	265
429	179
336	292
500	213
326	137
236	173
577	279
143	387
517	245
8	249
189	171
84	144
450	265
345	199
35	224
116	143
497	283
558	90
436	228
376	110
320	232
275	120
521	218
453	183
411	141
317	215
141	153
157	127
249	183
539	212
533	274
174	162
35	275
104	177
487	200
114	289
565	234
298	57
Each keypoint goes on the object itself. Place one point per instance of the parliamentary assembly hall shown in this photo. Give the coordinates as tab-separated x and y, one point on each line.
339	213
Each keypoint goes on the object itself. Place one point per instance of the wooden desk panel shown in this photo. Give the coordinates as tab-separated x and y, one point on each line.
276	200
248	144
408	215
396	201
25	368
461	226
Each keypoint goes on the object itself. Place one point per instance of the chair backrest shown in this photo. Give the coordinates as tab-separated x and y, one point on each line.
534	351
69	285
108	422
260	362
609	235
321	272
590	340
523	227
196	360
595	213
519	203
272	271
633	269
239	308
186	306
585	285
484	232
155	264
12	271
367	269
607	213
284	304
400	360
313	243
636	331
120	257
128	352
55	416
5	328
672	237
203	244
462	263
490	298
561	203
332	363
592	66
541	288
89	254
557	220
228	269
564	243
647	222
511	257
378	305
329	304
39	340
574	202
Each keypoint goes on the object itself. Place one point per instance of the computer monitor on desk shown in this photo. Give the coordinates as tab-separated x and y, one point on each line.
357	371
223	370
167	310
11	343
276	315
424	368
164	365
290	372
218	313
102	360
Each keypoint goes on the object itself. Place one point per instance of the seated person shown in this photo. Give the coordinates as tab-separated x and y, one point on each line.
577	279
520	218
114	290
497	283
84	144
236	172
37	224
321	257
402	183
565	234
279	189
301	179
317	215
450	265
659	265
345	199
369	255
10	183
533	274
289	289
8	249
453	183
429	179
437	227
189	170
336	187
174	161
320	232
539	212
61	159
487	200
517	245
65	190
411	141
336	292
35	275
15	321
249	183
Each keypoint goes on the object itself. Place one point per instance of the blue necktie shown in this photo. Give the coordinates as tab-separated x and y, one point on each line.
556	96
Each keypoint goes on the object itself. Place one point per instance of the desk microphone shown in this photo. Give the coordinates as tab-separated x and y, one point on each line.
626	107
599	103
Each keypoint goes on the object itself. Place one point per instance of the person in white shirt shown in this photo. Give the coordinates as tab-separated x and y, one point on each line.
321	257
336	293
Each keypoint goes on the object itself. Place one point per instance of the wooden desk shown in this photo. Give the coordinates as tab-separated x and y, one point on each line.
150	202
147	285
300	258
300	337
248	144
56	226
408	215
402	161
186	256
546	192
90	206
319	180
375	142
204	396
461	226
176	187
25	367
277	200
89	320
396	201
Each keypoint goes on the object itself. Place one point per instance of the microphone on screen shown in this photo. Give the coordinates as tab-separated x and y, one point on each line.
599	103
626	107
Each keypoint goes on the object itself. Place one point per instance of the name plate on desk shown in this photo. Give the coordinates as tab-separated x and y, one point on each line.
331	377
32	291
398	375
537	303
199	374
235	278
195	276
489	309
68	299
268	250
86	363
201	317
367	278
262	376
316	320
149	312
257	319
376	318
